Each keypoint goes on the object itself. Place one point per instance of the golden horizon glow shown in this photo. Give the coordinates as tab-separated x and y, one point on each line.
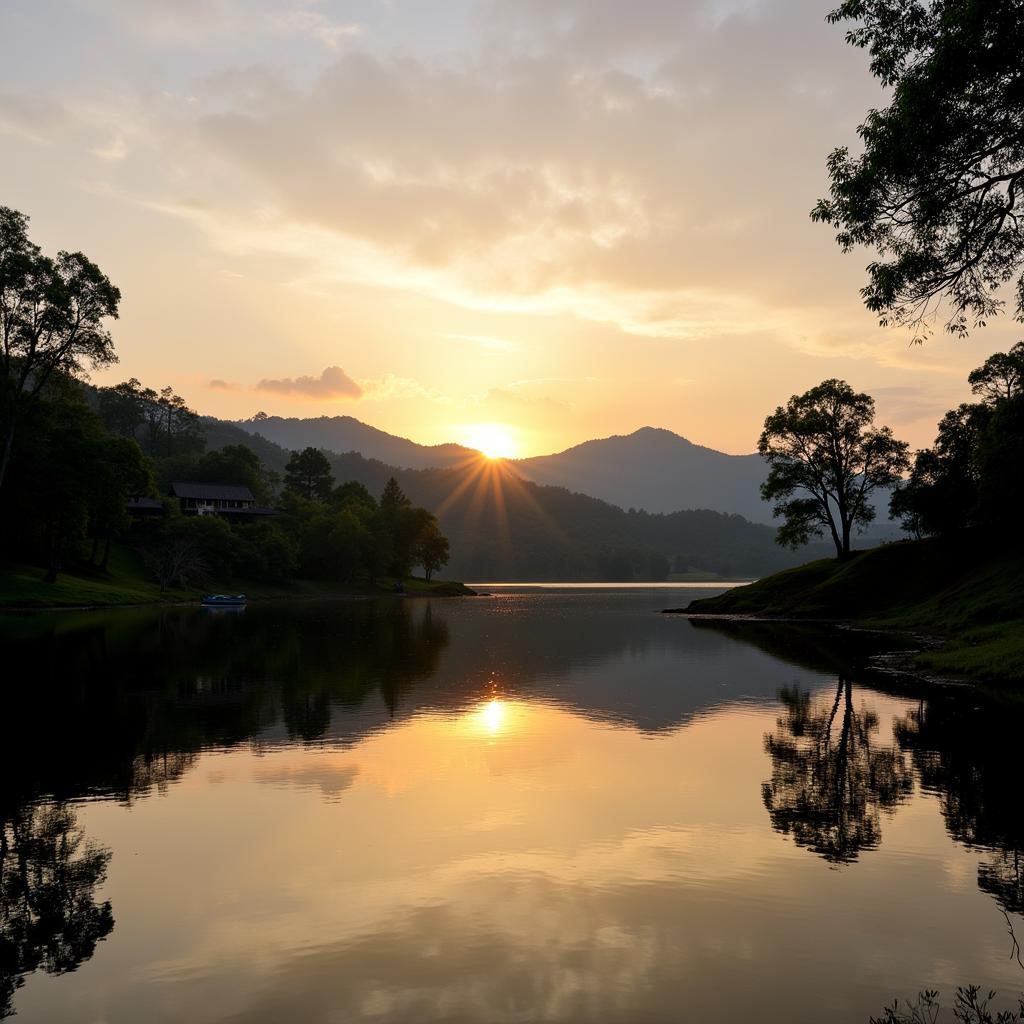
345	240
493	440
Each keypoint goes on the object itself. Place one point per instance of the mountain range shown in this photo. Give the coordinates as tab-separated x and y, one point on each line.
651	469
503	526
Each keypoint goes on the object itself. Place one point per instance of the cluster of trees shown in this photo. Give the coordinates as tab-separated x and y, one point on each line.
973	476
827	457
73	456
343	532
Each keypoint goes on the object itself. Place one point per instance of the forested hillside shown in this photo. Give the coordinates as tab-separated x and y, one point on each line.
501	526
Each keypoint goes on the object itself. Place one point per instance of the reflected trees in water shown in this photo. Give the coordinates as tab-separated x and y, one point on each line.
969	756
50	917
830	777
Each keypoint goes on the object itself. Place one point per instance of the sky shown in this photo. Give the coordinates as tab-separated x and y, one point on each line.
527	221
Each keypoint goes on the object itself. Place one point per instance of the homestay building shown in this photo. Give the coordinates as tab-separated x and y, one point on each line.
230	501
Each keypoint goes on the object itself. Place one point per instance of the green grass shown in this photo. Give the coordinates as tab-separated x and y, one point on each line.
969	594
126	583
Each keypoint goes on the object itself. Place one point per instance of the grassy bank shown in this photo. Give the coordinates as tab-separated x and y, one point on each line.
126	583
967	593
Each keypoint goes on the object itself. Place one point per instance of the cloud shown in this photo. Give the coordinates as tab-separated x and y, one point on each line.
332	383
217	384
393	386
622	172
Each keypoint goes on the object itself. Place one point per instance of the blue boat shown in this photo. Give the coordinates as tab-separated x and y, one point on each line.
223	600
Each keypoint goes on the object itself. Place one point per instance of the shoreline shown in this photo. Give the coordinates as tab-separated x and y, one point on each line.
896	663
445	589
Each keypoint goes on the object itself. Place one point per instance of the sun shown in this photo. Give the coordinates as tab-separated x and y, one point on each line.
494	440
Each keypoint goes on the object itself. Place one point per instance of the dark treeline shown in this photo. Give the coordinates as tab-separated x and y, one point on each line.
73	457
971	479
82	453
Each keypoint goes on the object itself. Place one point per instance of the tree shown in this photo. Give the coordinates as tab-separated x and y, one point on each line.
431	548
938	187
973	475
52	314
393	498
826	458
161	421
941	494
234	464
119	472
1000	377
308	474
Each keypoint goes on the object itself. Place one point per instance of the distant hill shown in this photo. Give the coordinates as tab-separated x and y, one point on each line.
503	527
347	434
650	469
656	470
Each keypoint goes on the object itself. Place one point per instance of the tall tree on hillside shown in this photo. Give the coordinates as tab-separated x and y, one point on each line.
308	474
52	313
938	190
826	457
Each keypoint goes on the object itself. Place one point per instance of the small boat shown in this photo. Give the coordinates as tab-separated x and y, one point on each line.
223	600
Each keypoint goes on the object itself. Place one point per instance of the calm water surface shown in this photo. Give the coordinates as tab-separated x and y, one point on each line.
537	806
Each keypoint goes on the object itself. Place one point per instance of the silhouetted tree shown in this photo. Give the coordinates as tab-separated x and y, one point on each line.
826	457
937	189
118	472
1000	377
308	474
973	475
828	783
52	314
431	548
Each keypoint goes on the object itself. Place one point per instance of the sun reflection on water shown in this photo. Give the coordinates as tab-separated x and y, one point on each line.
492	715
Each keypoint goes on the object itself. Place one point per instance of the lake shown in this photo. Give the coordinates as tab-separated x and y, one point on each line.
542	805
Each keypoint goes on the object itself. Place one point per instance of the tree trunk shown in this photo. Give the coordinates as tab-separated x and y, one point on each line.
427	571
5	458
95	548
106	552
845	553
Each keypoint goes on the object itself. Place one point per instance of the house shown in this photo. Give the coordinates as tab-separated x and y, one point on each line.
232	501
145	508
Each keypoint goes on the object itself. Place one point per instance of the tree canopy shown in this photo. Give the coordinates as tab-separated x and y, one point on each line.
308	474
937	189
52	321
973	475
826	457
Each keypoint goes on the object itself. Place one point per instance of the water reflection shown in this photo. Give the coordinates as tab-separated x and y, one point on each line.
540	808
967	752
50	917
830	776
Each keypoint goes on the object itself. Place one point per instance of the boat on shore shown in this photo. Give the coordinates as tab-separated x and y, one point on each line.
223	600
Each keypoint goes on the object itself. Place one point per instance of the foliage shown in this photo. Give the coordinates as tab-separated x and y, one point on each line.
308	474
431	548
973	475
970	1006
52	321
160	421
937	189
826	458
